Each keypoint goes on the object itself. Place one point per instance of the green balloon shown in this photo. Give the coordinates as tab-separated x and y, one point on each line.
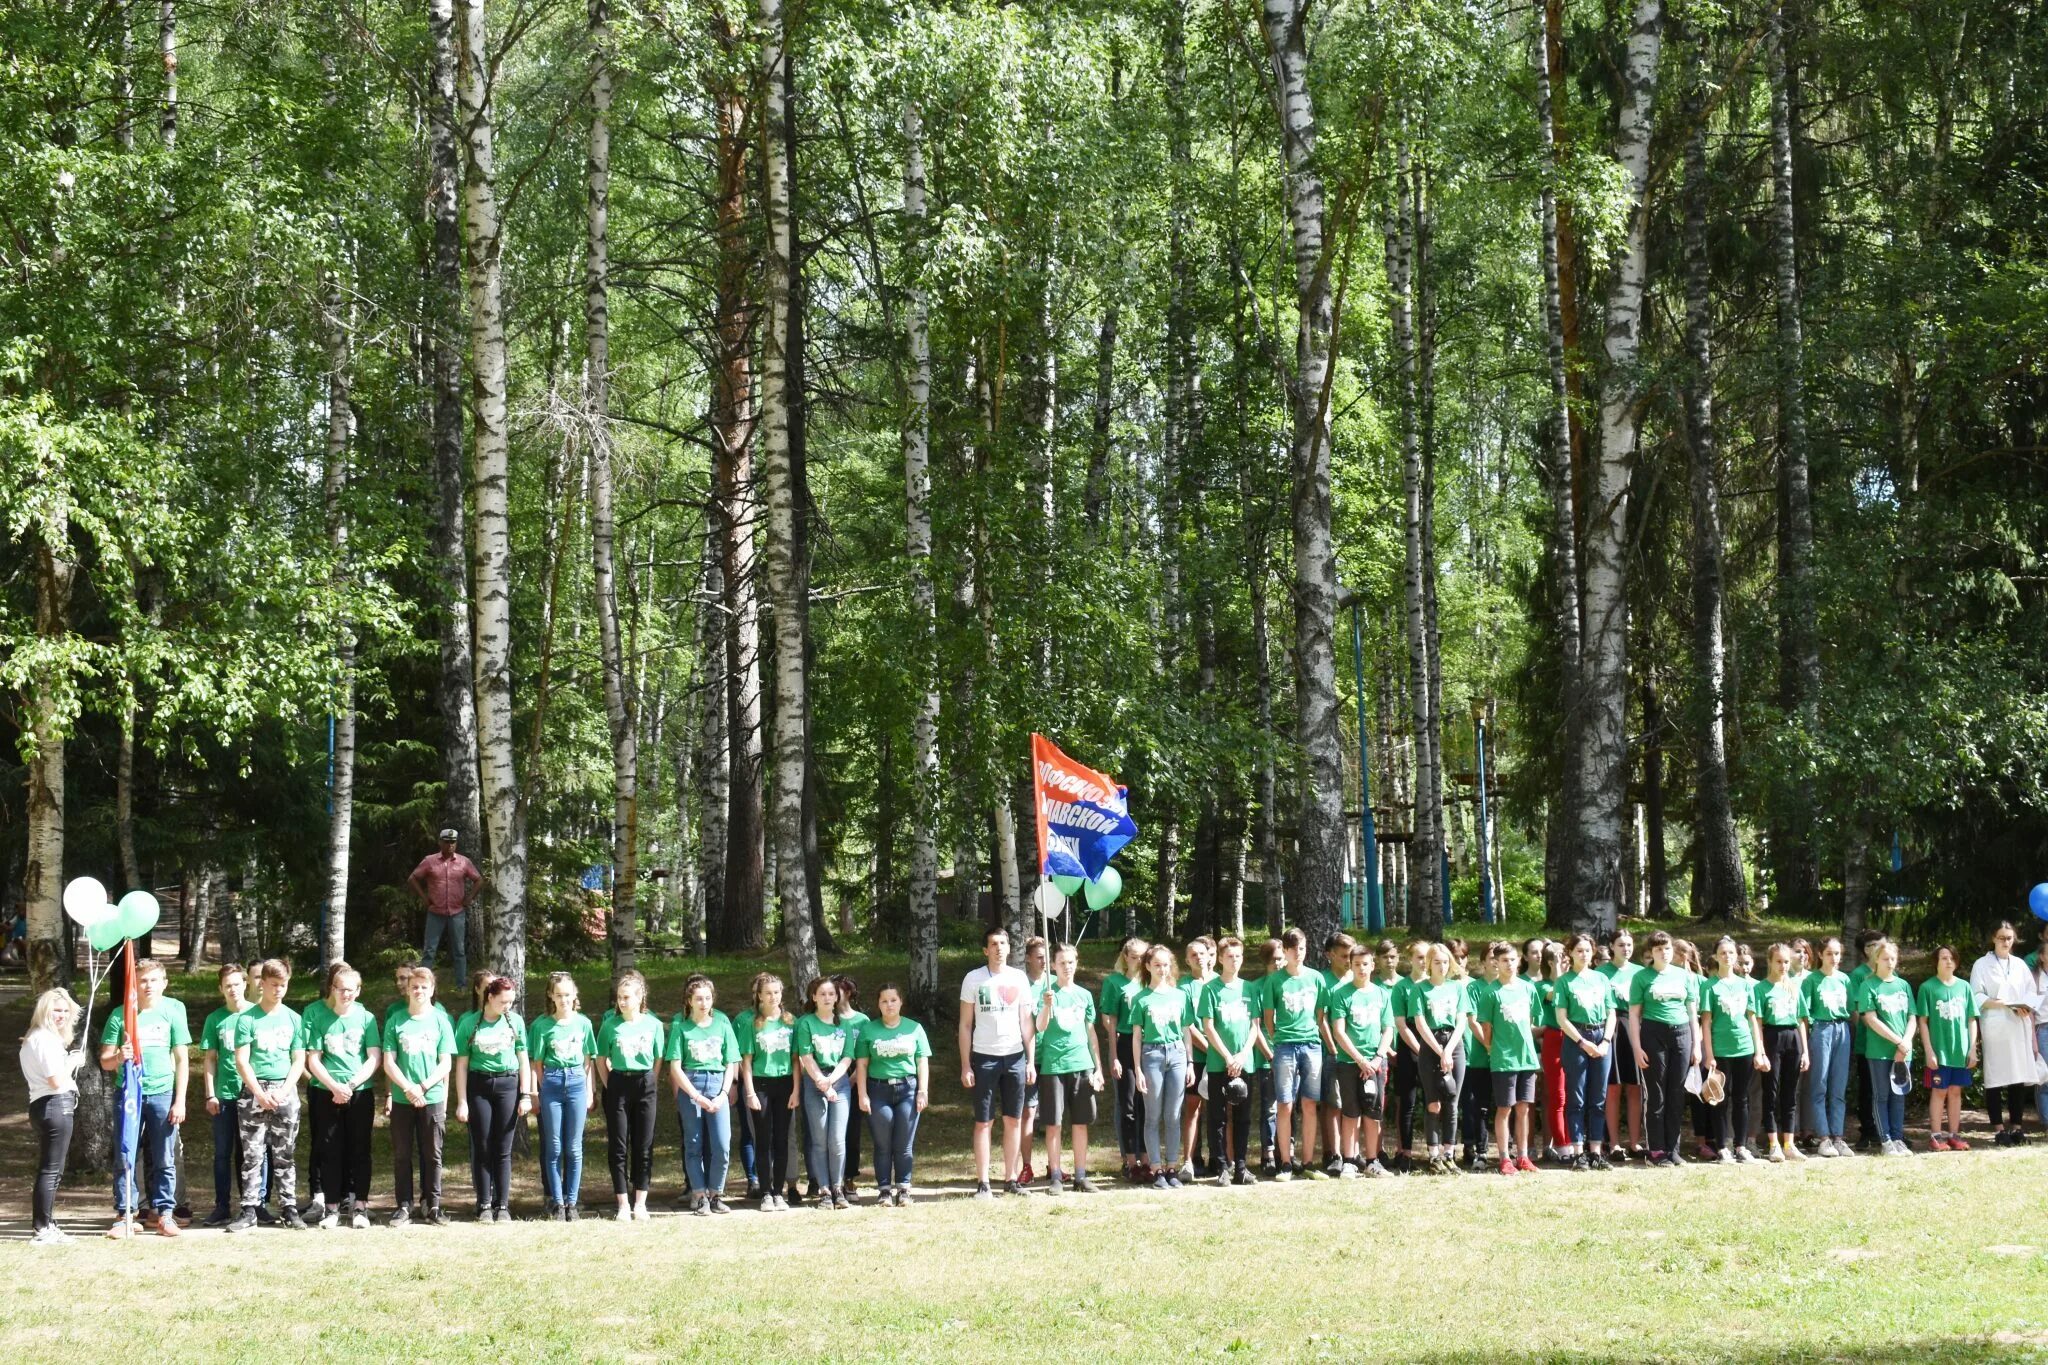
1069	886
1103	891
137	914
106	934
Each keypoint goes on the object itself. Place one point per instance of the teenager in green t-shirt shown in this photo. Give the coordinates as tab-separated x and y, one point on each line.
1867	1138
1475	1099
562	1048
1163	1015
765	1033
630	1042
1825	1002
1404	1077
1783	1058
1624	1077
1507	1020
343	1049
1037	976
223	1090
1946	1009
824	1051
893	1081
1731	1036
1885	1004
1440	1010
1118	986
493	1091
1228	1014
164	1036
703	1056
1294	1000
1069	1067
419	1055
1583	1008
1200	956
1359	1034
270	1056
1663	1026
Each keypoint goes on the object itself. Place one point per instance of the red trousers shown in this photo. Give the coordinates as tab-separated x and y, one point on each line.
1553	1086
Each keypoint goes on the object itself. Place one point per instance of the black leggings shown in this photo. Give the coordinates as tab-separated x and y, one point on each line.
1669	1048
1441	1088
342	1132
51	1117
1781	1082
771	1132
1218	1111
629	1107
2016	1103
493	1110
1734	1115
1129	1140
1405	1076
1475	1108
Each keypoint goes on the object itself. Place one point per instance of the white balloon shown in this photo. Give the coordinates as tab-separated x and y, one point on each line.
1048	899
85	900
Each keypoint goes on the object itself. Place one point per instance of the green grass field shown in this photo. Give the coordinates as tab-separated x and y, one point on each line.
1943	1257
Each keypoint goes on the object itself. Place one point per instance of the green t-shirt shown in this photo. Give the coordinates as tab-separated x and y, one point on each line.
159	1029
491	1049
1117	992
767	1043
1441	1006
1948	1010
1670	996
1892	1002
419	1042
1857	977
1063	1043
1163	1015
823	1043
1401	997
709	1046
342	1041
1295	1002
217	1036
631	1044
271	1038
398	1009
1365	1013
1546	1003
1728	1002
892	1052
1825	996
1511	1008
1231	1007
1623	976
1587	997
1779	1003
563	1044
1477	1055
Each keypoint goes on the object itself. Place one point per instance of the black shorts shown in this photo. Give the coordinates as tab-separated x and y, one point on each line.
1513	1087
1623	1052
998	1078
1064	1099
1355	1099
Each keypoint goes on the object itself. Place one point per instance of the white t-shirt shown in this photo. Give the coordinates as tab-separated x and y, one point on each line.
43	1056
998	1020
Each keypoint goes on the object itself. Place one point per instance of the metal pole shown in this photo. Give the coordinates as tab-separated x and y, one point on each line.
1368	838
1485	842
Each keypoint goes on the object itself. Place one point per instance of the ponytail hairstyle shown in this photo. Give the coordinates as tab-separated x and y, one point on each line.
849	994
1554	958
559	980
759	987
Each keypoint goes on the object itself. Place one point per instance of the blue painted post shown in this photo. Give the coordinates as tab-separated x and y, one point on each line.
1368	837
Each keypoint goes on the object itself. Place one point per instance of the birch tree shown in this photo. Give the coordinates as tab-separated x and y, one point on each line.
917	490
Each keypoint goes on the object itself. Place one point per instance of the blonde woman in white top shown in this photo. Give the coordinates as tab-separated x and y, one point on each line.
2006	1002
50	1067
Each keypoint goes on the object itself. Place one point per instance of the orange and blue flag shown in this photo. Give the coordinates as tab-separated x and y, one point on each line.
1083	816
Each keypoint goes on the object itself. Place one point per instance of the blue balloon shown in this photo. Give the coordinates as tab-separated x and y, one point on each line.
2037	901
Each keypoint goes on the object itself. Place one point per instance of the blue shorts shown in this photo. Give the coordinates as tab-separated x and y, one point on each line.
1298	1072
1946	1077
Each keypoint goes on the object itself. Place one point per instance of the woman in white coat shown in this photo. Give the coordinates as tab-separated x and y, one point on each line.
2006	1001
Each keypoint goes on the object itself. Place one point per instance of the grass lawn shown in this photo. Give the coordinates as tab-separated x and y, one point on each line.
1834	1260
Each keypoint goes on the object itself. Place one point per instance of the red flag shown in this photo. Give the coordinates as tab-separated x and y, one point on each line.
131	1041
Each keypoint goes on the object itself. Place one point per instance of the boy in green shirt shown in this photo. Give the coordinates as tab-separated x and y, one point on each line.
1069	1067
163	1036
1946	1010
270	1057
1506	1020
1295	997
1358	1029
1228	1014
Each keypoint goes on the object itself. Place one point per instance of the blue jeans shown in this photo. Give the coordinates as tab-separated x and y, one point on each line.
1585	1087
154	1148
892	1120
227	1159
564	1104
456	928
1298	1072
1827	1081
825	1128
1888	1107
1165	1067
745	1119
707	1138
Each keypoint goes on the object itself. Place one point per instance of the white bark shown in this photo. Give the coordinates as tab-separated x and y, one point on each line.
917	492
334	487
44	881
714	764
504	890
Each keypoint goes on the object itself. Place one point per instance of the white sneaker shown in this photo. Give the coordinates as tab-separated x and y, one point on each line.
331	1219
625	1214
1727	1157
1792	1152
51	1236
360	1221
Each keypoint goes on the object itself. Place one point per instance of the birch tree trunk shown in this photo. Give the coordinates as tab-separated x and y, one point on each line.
48	692
504	892
619	708
1319	852
1796	868
342	761
787	574
917	493
455	692
1423	290
714	764
124	800
1723	893
1601	756
966	799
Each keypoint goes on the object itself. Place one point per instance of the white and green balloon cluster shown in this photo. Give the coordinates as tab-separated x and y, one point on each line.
109	923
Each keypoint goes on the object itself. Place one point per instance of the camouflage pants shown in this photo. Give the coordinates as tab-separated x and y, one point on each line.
271	1134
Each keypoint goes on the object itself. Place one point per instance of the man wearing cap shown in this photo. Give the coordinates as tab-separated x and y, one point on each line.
446	882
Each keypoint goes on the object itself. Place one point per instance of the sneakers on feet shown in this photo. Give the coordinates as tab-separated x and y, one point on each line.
982	1191
1744	1155
332	1219
1507	1167
1159	1182
718	1205
359	1220
400	1217
839	1200
1082	1184
1524	1165
243	1221
293	1221
1054	1184
1012	1187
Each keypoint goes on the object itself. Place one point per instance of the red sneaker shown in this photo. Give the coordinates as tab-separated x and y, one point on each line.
1507	1167
1956	1143
1938	1141
1522	1163
1024	1176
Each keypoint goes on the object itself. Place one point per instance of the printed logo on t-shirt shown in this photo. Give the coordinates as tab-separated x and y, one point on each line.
905	1046
1362	1010
1298	993
706	1049
1951	1009
997	995
772	1042
497	1042
272	1035
1592	995
418	1042
568	1046
154	1033
1165	1013
1233	1012
1667	986
1834	995
340	1037
1514	1008
828	1046
1069	1017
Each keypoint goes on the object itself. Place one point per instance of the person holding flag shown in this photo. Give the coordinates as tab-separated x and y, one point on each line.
147	1041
